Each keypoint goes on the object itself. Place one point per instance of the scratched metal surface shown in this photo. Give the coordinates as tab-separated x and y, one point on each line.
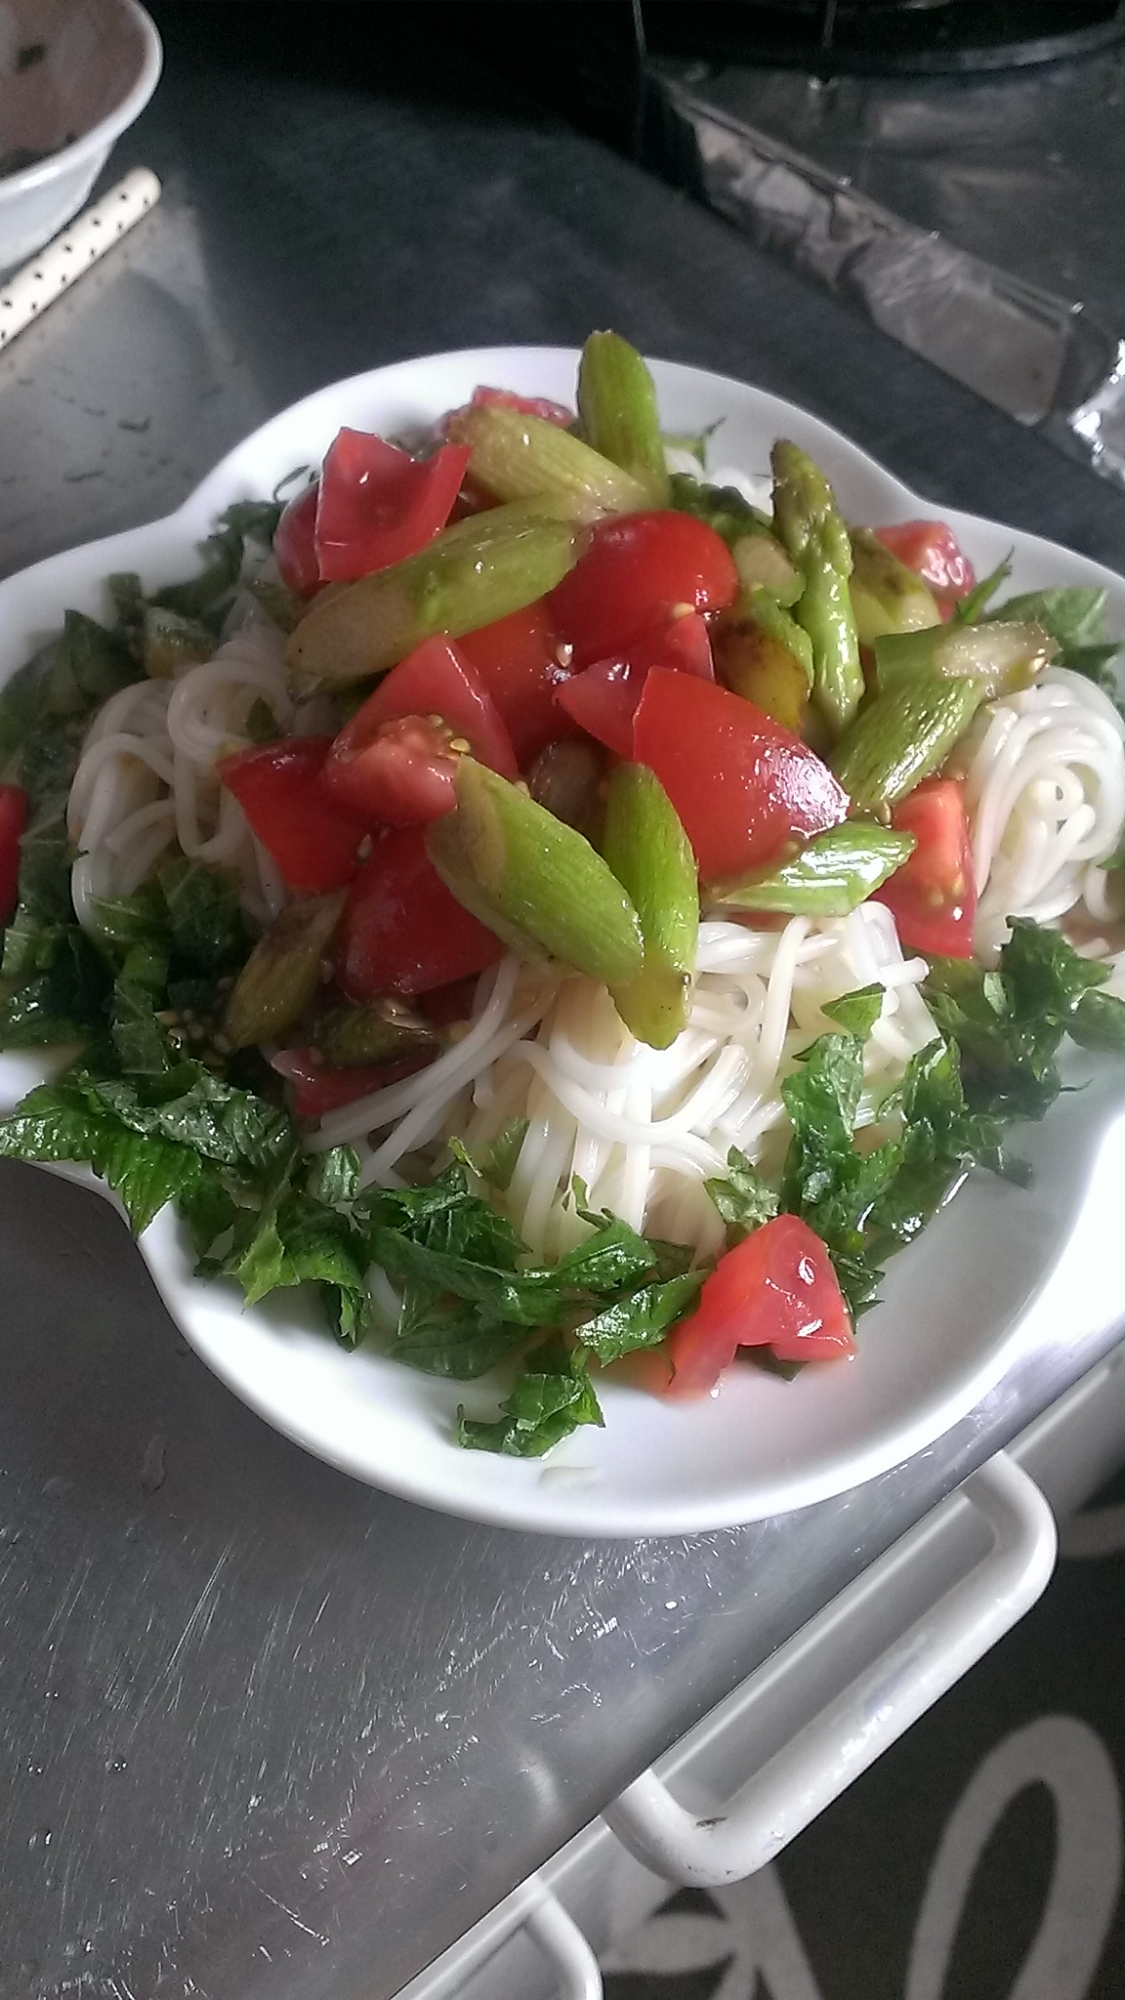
267	1735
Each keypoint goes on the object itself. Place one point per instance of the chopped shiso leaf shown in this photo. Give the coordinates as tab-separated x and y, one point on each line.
1008	1024
548	1401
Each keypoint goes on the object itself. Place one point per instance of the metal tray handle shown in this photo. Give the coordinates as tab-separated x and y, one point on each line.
474	1966
564	1945
809	1729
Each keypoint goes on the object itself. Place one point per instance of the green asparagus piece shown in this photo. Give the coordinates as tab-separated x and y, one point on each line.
886	596
762	655
901	737
169	640
384	1031
813	534
282	606
282	975
832	875
776	622
762	564
1002	657
517	457
470	575
650	854
617	409
537	883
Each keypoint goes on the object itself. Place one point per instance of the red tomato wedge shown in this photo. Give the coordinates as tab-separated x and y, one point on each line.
933	895
294	544
402	931
743	785
931	550
13	819
517	661
317	1088
776	1289
445	1006
394	763
376	505
640	571
313	839
603	698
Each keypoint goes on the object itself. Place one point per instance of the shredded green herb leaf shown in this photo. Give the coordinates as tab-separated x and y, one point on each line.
551	1399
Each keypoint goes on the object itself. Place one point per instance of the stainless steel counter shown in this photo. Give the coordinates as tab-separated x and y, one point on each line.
268	1734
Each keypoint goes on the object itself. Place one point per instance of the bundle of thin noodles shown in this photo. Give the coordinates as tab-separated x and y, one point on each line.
1045	792
643	1128
146	782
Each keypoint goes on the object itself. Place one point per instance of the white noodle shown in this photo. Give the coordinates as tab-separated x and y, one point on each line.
643	1128
146	776
1045	790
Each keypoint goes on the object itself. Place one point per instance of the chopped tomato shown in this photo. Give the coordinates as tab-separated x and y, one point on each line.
317	1087
604	697
445	1006
313	839
640	571
294	543
518	660
931	550
529	406
13	819
376	505
743	785
395	762
402	930
776	1289
933	895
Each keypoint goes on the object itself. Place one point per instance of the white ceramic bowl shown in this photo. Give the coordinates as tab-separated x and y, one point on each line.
1002	1272
73	75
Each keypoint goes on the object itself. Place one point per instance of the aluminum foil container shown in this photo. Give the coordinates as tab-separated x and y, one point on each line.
1028	350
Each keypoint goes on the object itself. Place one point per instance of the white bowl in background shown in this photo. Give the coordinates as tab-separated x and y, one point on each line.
73	75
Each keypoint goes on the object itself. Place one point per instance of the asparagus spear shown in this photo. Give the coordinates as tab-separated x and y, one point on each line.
886	596
535	882
1002	657
281	977
650	854
764	609
169	641
762	563
901	737
517	457
348	1037
761	654
836	871
471	574
617	408
815	539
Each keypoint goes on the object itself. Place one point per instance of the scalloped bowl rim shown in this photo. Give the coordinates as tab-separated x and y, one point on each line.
999	1274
